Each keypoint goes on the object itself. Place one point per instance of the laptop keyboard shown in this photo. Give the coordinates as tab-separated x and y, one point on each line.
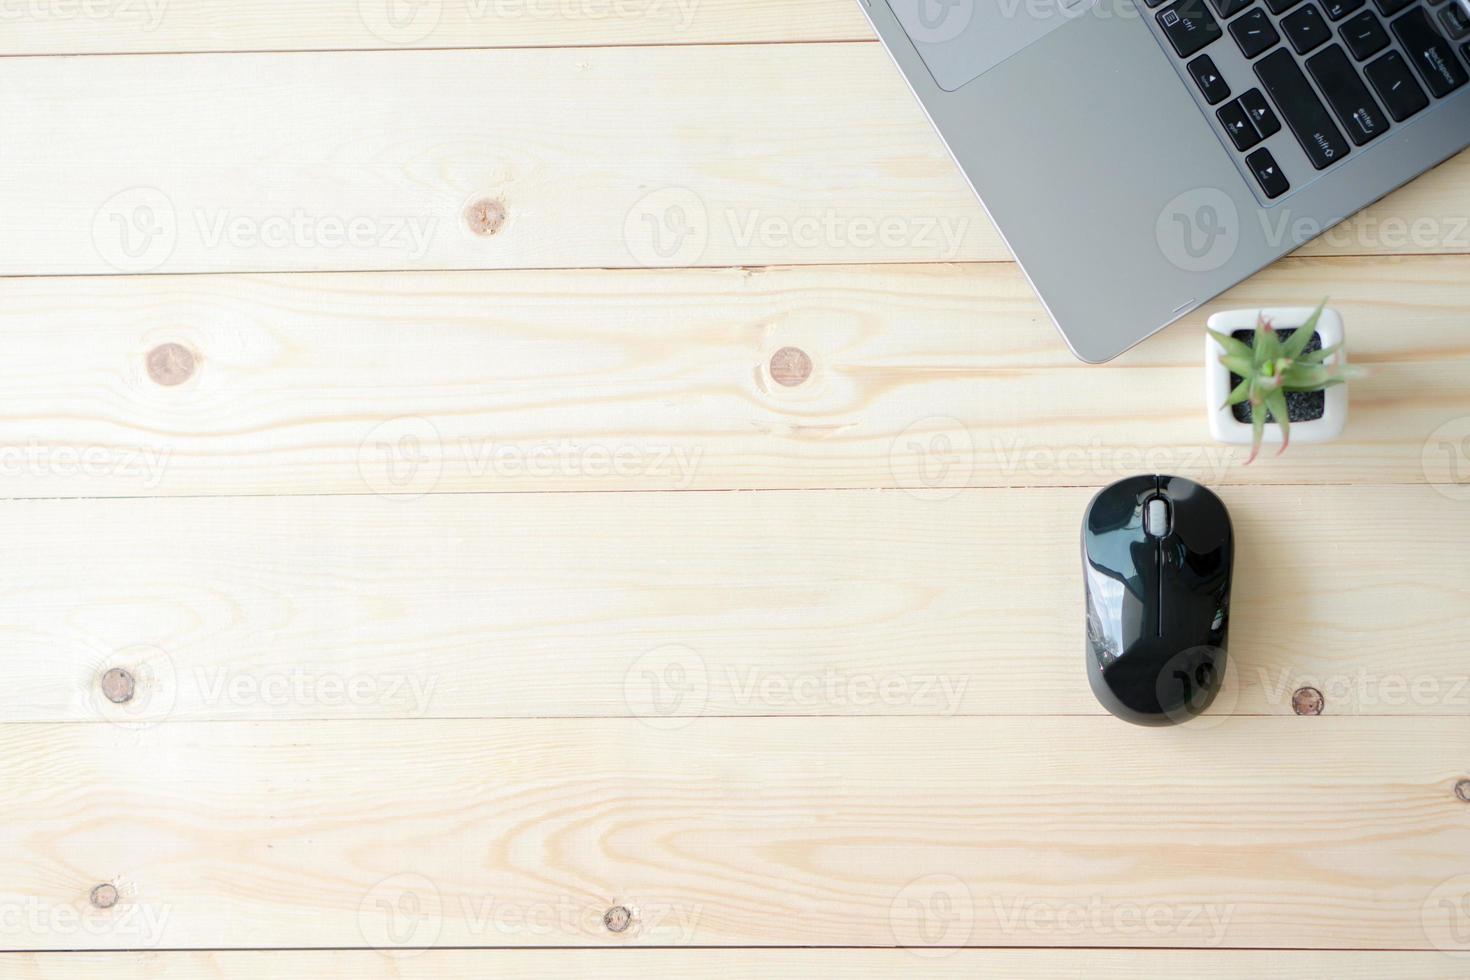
1324	68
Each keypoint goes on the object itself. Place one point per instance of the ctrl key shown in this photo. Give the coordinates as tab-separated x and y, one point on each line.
1273	182
1189	26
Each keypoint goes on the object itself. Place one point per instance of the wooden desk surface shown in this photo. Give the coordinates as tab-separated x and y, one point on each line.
377	381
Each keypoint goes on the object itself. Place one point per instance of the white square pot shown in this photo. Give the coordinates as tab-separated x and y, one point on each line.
1223	424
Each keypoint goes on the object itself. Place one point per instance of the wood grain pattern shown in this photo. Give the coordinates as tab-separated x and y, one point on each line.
111	26
675	606
849	832
310	646
596	157
713	964
927	378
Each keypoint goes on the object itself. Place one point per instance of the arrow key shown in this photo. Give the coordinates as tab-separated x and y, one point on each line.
1268	174
1237	126
1209	80
1259	113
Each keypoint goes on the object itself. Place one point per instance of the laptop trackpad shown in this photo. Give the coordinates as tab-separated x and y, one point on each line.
960	40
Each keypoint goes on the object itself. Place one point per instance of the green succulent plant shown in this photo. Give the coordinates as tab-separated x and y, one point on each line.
1271	367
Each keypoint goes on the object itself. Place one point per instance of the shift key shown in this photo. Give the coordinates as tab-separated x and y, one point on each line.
1308	118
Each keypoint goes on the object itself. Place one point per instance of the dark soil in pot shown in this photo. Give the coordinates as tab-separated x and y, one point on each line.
1301	406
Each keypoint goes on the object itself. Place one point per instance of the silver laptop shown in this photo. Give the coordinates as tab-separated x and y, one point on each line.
1142	156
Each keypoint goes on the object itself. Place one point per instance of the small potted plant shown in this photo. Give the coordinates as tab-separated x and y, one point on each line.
1287	366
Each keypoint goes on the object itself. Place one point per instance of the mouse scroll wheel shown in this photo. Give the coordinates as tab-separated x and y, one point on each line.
1156	517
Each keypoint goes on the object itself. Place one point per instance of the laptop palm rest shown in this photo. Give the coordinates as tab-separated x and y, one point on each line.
960	40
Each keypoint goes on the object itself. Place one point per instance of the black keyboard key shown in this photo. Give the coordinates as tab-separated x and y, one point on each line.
1456	20
1305	29
1304	112
1211	83
1338	9
1281	6
1430	53
1348	96
1390	7
1397	87
1237	126
1229	8
1258	111
1189	26
1254	33
1364	36
1273	182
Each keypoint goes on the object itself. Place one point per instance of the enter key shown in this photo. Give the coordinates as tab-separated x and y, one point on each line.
1348	96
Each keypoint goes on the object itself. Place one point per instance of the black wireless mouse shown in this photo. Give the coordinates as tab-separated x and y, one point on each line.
1157	555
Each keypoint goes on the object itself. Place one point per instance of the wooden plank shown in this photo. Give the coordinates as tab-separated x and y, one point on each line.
731	832
714	964
583	157
669	607
114	26
928	378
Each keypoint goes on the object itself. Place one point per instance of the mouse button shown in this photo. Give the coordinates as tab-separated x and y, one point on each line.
1188	570
1200	517
1156	517
1118	506
1127	558
1133	678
